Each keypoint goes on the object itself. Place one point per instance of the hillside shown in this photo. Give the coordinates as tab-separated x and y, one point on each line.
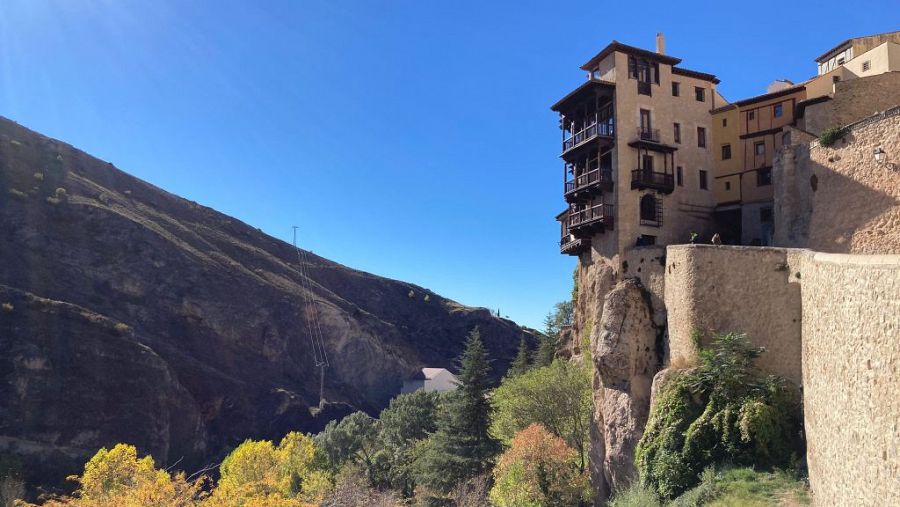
133	315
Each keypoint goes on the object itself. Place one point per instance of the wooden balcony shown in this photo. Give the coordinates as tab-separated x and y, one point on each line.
582	137
589	183
570	245
663	182
582	221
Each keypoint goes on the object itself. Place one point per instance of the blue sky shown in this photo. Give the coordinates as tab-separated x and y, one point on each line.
411	139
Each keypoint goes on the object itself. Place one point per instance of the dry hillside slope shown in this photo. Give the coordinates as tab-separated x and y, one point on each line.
133	315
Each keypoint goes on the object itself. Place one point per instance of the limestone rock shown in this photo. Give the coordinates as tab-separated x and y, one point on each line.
625	356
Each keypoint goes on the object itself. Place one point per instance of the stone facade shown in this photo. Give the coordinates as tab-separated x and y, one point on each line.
851	378
721	289
840	199
850	101
830	323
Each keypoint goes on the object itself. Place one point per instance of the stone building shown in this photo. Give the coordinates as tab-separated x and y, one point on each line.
652	153
748	133
636	149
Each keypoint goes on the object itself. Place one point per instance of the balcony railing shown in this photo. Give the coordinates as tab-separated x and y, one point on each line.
589	179
571	245
646	134
590	215
643	178
593	130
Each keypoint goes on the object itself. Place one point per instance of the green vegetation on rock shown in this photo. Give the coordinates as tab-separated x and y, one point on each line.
722	411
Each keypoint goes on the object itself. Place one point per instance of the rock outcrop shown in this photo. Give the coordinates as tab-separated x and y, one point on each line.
626	357
133	315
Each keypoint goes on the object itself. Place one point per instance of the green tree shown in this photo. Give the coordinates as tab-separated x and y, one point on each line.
558	397
462	447
408	419
559	318
545	352
519	365
354	439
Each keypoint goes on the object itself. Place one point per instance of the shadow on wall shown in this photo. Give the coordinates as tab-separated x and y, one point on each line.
821	208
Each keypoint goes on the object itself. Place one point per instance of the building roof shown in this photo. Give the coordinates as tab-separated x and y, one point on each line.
589	85
695	74
773	95
625	48
431	373
828	53
722	109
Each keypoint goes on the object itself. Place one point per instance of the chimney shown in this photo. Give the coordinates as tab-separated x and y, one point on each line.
660	43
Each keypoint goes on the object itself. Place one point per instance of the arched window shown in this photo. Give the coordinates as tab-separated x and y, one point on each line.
650	212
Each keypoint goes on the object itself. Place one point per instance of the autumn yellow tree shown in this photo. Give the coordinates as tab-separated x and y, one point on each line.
117	477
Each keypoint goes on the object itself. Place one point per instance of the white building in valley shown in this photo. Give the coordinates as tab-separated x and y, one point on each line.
431	379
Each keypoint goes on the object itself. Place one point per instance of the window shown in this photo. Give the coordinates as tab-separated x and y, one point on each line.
765	215
724	122
701	137
867	65
835	79
704	180
700	93
645	120
647	163
760	148
778	110
726	151
764	177
676	88
677	132
646	240
651	210
727	185
751	115
679	176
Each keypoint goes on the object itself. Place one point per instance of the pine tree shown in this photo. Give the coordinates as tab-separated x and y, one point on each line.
462	447
545	352
519	365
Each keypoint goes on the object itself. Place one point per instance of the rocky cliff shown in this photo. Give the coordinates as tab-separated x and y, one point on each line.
132	315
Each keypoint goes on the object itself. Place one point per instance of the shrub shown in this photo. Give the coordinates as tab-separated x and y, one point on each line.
61	193
720	411
39	176
558	397
122	328
18	193
538	469
8	307
831	135
635	496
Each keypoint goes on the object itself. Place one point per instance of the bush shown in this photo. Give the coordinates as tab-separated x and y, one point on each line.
39	176
538	469
635	496
831	135
721	411
8	307
558	397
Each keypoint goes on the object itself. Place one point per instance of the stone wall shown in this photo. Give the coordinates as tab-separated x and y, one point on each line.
853	100
839	199
851	378
722	289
